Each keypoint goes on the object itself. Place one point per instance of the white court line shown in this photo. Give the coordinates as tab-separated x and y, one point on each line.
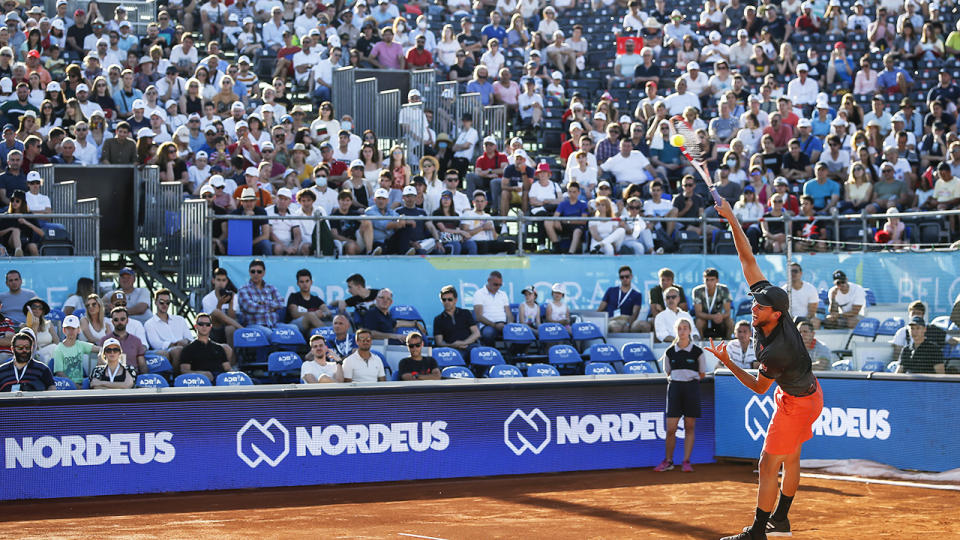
420	536
879	481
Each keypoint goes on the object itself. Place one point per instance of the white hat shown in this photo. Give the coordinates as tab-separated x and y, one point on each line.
267	145
381	193
247	20
29	114
413	93
109	342
53	86
138	104
58	24
248	194
898	117
576	125
71	321
243	60
6	84
170	103
715	36
217	181
600	116
802	67
838	122
558	287
285	192
200	155
804	122
356	163
34	176
556	75
240	124
447	94
210	129
237	105
625	119
155	112
103	41
251	171
233	17
691	65
145	132
490	139
207	189
82	87
409	190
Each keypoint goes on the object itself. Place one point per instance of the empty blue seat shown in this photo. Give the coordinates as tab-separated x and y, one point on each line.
234	378
284	366
586	331
890	326
64	383
406	312
744	307
157	363
484	357
841	365
191	380
151	380
542	370
598	368
866	328
871	297
943	322
503	371
287	336
456	372
252	345
446	356
563	355
872	366
639	367
637	352
518	338
548	333
387	368
603	352
325	331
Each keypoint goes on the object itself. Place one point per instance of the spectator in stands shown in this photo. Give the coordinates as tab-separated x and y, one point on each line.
363	366
24	373
711	304
454	327
113	371
491	308
570	207
923	355
325	366
137	298
889	192
304	308
544	194
133	348
481	230
820	355
903	337
222	306
258	300
824	191
847	302
383	230
343	341
417	367
71	356
657	304
605	236
626	300
285	234
893	80
121	149
47	336
741	348
13	179
804	298
665	322
489	166
167	332
16	297
378	319
629	166
203	355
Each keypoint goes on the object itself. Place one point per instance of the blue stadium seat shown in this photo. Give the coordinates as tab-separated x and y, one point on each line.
552	333
406	312
598	368
240	238
56	240
151	380
158	364
64	383
953	353
518	338
287	337
872	366
503	371
890	326
56	315
604	352
446	357
585	332
386	365
191	380
325	331
841	365
456	372
637	352
744	308
85	385
563	355
943	322
542	370
484	357
871	297
636	367
892	367
252	346
284	366
866	328
234	378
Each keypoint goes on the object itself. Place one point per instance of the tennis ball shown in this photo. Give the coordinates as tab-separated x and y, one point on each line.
677	140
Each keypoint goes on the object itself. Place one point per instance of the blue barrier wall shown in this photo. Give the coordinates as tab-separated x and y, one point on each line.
174	441
53	278
894	277
900	422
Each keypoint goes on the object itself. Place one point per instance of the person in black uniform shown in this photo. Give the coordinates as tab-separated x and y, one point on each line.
923	355
783	359
685	366
202	355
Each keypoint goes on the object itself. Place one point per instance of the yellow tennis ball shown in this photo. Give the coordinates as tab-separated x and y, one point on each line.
678	140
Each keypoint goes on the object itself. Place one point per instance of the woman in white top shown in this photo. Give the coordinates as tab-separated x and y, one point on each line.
370	155
529	311
94	324
45	331
557	309
37	202
583	174
548	25
401	34
639	237
747	209
448	46
606	236
750	134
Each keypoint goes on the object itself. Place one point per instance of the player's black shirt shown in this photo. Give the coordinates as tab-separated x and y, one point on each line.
782	355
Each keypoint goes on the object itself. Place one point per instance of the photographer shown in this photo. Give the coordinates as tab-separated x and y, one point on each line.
221	304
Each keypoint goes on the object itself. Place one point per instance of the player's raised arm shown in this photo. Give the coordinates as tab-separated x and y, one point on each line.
749	263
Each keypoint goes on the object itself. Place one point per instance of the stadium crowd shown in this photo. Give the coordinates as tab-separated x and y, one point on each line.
804	108
107	341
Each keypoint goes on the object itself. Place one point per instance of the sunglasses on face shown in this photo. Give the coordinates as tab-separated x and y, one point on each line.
671	297
414	345
256	271
203	324
112	350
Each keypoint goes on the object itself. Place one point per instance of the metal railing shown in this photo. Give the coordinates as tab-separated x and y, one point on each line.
425	80
388	111
342	91
82	224
414	131
470	103
445	111
495	123
365	97
195	245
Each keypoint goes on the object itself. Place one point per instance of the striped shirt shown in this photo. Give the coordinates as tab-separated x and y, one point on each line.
34	376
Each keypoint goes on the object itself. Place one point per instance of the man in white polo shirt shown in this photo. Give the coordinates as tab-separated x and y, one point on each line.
363	366
804	298
491	309
629	166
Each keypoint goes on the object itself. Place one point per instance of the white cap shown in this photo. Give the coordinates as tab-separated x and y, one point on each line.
145	132
267	145
285	192
240	124
109	342
34	176
138	104
356	163
600	116
217	181
715	36
447	94
82	87
244	60
71	321
237	105
556	75
691	65
53	86
490	139
898	117
58	24
233	17
802	67
575	125
381	193
413	93
169	103
838	122
207	189
251	171
804	122
247	20
409	190
558	287
201	155
625	119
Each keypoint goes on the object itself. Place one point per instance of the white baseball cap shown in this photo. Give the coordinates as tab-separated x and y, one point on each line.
381	193
692	65
34	176
251	171
82	87
490	139
201	155
217	181
145	132
207	189
409	190
285	192
71	321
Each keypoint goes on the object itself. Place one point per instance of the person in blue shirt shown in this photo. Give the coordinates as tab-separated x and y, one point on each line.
825	192
383	229
572	206
628	301
481	84
9	143
494	30
894	80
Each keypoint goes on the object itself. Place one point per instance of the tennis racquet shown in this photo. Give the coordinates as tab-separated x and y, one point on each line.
693	150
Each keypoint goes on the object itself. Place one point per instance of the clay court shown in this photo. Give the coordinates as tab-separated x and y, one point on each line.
607	504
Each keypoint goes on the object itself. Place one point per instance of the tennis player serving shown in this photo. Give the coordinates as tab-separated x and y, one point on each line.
783	358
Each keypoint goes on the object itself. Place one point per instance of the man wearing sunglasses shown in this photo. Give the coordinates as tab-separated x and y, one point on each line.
417	367
167	332
23	373
259	301
455	327
803	296
203	355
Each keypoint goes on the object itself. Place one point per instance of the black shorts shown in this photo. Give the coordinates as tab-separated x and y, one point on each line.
683	399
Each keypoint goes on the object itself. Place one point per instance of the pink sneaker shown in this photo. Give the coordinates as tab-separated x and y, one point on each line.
687	467
665	465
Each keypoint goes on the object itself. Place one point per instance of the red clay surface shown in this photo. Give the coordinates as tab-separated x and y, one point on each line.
714	501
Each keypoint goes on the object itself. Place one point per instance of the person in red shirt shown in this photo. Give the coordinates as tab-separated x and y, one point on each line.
785	107
572	144
781	132
337	169
419	57
32	154
252	176
490	166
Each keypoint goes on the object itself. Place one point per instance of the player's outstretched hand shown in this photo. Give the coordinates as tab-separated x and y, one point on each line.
725	210
720	351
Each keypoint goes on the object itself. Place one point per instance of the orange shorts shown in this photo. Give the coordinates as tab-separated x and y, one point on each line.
792	421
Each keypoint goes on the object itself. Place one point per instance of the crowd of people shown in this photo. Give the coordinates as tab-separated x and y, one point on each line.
106	339
234	101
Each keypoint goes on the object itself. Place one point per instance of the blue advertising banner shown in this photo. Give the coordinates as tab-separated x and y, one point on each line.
53	278
897	422
894	277
307	437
